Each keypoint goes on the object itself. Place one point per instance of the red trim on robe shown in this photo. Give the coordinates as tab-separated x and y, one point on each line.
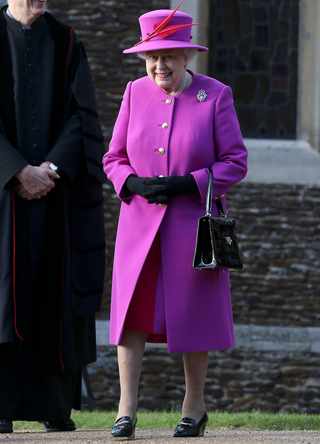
14	267
67	61
62	286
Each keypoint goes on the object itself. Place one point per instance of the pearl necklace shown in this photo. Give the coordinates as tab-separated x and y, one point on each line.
182	86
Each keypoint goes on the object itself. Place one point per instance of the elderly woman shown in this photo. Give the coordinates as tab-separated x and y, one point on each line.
173	127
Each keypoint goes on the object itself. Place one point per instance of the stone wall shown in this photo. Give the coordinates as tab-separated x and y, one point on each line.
279	232
279	235
237	380
271	369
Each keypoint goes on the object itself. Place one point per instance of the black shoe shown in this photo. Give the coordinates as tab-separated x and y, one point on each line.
124	427
59	426
5	426
188	428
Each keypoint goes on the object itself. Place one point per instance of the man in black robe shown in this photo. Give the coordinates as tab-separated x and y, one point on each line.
51	217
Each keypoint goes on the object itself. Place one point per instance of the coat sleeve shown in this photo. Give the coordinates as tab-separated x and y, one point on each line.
82	89
80	139
67	153
116	162
11	161
231	154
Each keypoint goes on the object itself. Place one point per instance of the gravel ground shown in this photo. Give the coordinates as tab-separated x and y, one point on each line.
165	436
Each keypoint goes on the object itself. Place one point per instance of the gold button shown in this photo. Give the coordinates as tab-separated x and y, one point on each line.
222	195
168	101
162	205
216	198
160	175
161	150
165	125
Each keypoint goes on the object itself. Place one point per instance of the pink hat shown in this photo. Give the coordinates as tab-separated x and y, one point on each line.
165	29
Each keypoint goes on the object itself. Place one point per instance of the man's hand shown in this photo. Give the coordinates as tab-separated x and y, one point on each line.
37	181
20	191
45	165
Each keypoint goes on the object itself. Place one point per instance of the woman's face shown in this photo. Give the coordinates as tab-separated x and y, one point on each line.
166	68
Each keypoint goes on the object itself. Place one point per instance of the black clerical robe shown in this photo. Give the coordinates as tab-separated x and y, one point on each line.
51	249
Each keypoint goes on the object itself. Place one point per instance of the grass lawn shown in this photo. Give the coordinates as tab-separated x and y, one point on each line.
168	420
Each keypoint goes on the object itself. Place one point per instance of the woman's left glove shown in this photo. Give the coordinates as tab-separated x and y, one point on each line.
175	186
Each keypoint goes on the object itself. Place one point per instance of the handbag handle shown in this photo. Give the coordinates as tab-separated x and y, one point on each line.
209	199
209	194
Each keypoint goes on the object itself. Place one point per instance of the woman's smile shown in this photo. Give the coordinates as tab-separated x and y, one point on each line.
167	68
163	75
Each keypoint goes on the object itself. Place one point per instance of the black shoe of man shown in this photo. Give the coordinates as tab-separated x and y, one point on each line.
5	426
59	426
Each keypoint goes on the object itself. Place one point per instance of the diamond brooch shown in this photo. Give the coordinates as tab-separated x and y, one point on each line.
202	95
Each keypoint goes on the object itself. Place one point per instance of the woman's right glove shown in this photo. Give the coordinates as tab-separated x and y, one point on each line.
177	185
146	187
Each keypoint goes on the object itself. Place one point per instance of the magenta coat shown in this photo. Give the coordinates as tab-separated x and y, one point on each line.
194	136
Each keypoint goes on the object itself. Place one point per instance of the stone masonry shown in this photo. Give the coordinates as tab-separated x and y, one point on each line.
279	235
237	380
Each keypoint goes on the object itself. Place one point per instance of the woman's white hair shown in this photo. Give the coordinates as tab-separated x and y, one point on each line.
189	53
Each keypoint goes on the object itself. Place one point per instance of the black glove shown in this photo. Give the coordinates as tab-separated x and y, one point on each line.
146	187
174	186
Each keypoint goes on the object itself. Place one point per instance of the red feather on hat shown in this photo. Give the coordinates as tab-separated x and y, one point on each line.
171	29
161	30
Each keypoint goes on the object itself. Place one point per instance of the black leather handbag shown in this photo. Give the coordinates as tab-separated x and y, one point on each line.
216	243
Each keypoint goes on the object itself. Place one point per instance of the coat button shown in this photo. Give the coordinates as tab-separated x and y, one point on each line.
161	150
165	125
168	101
162	205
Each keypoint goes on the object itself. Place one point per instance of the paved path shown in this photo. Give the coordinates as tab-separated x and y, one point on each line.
164	436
